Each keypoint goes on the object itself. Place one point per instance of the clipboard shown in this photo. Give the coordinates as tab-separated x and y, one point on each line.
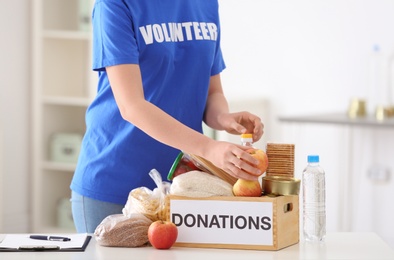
23	243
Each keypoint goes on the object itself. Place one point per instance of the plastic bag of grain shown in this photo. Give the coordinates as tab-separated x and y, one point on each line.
200	184
150	203
121	231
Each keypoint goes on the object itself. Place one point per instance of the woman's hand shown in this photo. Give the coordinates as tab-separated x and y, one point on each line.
217	114
241	123
233	159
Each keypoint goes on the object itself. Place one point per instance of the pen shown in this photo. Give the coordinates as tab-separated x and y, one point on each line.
50	238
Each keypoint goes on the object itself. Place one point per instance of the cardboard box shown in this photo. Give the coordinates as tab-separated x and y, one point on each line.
263	223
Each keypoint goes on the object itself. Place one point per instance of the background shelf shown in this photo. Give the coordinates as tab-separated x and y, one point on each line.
63	87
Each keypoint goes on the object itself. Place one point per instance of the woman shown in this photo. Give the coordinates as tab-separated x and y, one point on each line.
159	64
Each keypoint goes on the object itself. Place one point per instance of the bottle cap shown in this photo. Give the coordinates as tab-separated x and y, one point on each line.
247	139
313	158
246	135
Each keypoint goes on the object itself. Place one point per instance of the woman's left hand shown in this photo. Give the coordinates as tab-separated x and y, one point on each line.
241	123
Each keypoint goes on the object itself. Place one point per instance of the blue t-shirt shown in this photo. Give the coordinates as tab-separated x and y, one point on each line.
177	46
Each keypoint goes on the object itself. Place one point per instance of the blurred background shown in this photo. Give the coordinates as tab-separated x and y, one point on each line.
285	59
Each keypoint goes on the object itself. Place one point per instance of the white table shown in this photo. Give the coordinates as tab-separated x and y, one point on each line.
368	246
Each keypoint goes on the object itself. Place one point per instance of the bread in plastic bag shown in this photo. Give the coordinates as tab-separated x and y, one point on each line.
120	231
147	202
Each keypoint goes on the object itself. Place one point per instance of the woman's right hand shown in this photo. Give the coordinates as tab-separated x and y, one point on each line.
233	159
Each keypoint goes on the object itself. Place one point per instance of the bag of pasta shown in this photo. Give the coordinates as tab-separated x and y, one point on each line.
147	202
120	231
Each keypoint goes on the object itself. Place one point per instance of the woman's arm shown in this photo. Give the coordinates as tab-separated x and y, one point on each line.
217	114
126	84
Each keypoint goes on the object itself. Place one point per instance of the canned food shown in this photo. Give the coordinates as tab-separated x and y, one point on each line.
278	185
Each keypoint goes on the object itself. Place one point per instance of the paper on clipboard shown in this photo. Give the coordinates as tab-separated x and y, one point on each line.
16	241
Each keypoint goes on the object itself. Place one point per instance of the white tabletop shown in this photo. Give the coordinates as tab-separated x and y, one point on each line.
358	246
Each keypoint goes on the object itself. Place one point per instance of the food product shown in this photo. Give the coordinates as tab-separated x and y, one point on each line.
142	200
147	202
162	234
121	231
261	156
200	184
247	188
183	163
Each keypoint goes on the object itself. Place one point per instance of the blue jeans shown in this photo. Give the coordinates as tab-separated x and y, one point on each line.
88	213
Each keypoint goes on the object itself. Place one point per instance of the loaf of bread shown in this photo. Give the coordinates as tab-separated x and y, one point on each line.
200	184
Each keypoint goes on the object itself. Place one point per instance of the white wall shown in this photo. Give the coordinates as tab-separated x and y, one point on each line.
14	114
308	57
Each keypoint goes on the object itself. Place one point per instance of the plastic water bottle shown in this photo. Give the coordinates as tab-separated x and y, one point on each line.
314	200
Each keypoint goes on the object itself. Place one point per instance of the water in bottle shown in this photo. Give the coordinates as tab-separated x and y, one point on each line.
314	197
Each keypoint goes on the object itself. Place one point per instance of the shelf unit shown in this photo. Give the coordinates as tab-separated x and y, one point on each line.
62	87
340	119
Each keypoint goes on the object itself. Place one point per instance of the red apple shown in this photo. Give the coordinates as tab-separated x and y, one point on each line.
261	156
162	234
247	188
